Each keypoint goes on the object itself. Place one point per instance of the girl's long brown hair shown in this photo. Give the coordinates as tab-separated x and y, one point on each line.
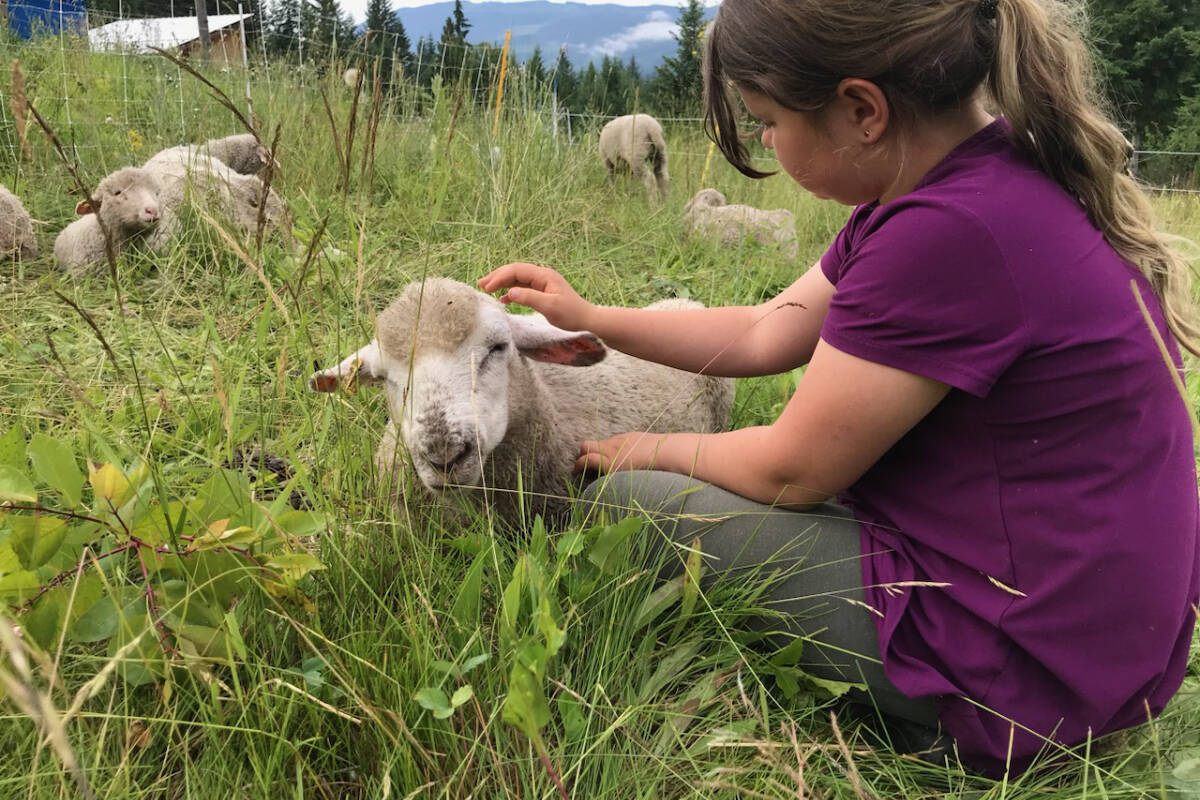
932	56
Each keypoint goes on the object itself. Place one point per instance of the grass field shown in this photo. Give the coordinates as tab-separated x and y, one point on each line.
200	353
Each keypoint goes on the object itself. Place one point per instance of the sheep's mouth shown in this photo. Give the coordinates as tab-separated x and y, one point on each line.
459	470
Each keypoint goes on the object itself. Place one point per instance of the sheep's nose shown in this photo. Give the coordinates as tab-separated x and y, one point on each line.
448	456
151	212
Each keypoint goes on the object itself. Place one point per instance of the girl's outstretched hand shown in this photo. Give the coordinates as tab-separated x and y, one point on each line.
625	451
543	290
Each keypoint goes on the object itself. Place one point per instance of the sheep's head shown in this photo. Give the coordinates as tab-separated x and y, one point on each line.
127	200
249	194
445	354
705	198
243	153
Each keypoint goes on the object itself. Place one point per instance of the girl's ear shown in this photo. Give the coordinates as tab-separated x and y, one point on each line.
861	110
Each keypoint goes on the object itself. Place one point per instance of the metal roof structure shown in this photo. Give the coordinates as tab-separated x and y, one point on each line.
139	35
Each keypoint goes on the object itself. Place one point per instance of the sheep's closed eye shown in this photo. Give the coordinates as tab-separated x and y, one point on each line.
494	350
116	192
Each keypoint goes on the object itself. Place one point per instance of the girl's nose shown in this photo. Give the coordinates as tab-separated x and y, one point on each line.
768	139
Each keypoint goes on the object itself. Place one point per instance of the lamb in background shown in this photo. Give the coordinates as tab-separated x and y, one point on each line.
16	229
627	142
242	153
708	214
495	402
129	202
238	196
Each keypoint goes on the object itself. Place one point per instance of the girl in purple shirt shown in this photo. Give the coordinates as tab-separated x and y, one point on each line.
1015	551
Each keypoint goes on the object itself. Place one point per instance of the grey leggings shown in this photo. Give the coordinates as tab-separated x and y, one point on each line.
819	550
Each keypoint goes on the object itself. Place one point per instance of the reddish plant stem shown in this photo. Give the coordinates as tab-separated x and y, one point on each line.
541	751
52	511
152	608
61	577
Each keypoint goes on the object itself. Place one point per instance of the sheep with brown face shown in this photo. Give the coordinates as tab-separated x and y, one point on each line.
16	228
707	214
484	403
628	142
129	203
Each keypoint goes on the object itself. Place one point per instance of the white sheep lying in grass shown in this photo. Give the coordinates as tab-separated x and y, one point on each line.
16	229
130	204
242	153
483	399
627	142
708	214
191	168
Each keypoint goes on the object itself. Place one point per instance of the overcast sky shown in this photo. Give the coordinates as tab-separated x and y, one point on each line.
358	8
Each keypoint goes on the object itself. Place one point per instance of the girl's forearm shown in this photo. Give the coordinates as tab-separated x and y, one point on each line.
715	341
745	462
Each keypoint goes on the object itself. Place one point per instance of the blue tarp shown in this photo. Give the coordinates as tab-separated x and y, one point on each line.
29	17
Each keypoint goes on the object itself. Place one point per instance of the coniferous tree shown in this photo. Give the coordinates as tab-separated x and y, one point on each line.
285	26
388	42
328	29
535	69
677	81
399	42
452	45
461	26
1149	58
563	80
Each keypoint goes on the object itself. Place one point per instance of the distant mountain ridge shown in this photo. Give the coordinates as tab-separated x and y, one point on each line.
589	31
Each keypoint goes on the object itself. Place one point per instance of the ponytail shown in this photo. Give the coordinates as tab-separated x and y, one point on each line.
1041	80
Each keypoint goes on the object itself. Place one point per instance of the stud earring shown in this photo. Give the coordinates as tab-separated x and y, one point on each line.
867	134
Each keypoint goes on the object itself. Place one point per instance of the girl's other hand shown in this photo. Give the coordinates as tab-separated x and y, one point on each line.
541	289
625	451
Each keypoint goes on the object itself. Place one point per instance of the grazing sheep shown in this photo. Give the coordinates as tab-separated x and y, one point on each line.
16	229
709	215
242	153
129	202
486	400
238	196
626	142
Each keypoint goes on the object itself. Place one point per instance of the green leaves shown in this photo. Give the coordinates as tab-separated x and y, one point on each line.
54	464
436	701
154	579
15	487
35	540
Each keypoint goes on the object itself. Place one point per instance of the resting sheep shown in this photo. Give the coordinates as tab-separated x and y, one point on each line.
16	229
242	153
627	142
237	196
486	400
129	203
709	215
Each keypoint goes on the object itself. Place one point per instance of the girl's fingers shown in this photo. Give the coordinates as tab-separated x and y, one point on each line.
518	273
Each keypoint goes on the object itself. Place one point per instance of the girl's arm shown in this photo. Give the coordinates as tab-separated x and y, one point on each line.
845	414
732	341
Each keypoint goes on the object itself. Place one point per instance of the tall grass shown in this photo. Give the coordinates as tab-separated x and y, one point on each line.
322	705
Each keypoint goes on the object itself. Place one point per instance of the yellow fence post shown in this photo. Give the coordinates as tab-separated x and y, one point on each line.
707	162
500	85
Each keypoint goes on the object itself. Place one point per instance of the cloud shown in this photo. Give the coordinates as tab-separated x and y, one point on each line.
658	27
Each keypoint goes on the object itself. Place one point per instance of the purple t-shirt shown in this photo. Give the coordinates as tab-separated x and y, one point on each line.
1054	488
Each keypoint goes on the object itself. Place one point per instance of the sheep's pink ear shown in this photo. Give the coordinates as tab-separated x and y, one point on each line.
537	339
364	368
86	207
